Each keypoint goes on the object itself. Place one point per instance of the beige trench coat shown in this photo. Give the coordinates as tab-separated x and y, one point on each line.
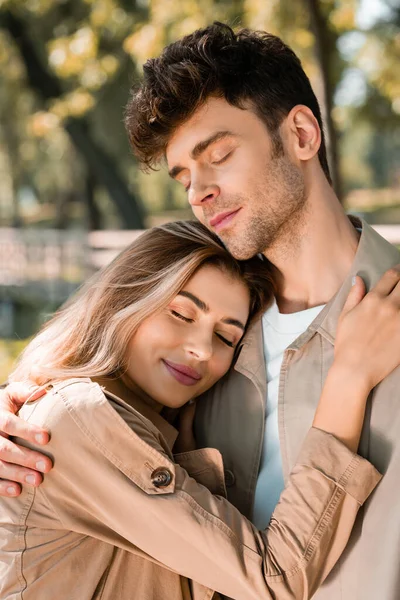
118	506
234	409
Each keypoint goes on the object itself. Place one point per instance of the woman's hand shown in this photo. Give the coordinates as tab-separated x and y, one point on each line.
367	342
367	349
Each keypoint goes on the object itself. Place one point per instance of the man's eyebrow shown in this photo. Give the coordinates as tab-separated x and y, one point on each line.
204	144
203	306
201	147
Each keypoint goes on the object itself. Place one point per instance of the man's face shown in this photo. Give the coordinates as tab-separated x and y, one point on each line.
236	183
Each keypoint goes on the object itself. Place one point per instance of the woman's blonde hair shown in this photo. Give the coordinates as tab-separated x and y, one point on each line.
89	335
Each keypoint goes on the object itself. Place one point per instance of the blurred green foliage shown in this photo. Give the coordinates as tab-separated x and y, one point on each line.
66	67
9	351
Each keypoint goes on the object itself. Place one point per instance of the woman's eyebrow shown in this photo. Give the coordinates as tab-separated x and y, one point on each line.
234	322
203	306
199	303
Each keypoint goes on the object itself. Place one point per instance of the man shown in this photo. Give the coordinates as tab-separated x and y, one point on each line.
239	125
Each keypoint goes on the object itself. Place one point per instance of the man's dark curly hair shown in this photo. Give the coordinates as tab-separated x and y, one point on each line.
249	69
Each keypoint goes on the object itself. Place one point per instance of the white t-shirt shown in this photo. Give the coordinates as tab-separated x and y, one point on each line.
279	331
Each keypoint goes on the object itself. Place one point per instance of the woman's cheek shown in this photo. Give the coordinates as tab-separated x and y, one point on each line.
222	365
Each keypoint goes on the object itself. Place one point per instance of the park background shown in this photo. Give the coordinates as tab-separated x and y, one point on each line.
71	193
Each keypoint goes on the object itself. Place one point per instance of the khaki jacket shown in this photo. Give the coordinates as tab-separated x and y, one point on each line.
118	506
235	410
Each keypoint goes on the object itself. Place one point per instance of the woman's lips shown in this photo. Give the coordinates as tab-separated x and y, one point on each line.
223	219
182	373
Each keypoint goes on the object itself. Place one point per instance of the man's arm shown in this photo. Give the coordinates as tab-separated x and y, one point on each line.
20	465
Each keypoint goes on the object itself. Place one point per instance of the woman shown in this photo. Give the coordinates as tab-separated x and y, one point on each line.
119	516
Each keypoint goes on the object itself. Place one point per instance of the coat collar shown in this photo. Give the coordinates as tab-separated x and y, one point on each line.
250	361
373	257
167	430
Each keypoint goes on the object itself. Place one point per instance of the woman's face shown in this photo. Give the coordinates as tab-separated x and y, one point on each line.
179	353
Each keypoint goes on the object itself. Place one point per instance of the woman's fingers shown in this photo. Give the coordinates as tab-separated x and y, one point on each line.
395	294
387	282
356	294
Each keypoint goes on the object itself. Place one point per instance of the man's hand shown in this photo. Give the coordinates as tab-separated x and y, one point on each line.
17	463
185	441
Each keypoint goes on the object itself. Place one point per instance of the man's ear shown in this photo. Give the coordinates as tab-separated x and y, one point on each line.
304	132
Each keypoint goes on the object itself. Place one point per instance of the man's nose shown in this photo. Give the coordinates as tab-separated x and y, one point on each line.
200	194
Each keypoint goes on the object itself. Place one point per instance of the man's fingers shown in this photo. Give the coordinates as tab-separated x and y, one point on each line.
23	457
9	488
186	415
16	394
17	427
387	282
20	474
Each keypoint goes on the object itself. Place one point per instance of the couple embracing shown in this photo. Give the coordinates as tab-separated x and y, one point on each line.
213	411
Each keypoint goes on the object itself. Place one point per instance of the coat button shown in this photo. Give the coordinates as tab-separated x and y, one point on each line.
161	477
229	478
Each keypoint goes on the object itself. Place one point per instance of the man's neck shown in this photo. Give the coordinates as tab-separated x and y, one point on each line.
312	263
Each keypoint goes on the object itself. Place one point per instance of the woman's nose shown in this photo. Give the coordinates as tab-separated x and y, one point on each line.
200	347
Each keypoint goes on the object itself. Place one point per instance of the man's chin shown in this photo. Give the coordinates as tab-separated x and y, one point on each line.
240	252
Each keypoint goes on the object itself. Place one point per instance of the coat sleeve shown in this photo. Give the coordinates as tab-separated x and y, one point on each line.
115	482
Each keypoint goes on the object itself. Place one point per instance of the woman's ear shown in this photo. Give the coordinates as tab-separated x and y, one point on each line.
304	131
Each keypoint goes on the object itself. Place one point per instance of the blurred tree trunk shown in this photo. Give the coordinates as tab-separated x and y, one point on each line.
61	201
99	164
93	213
325	48
11	143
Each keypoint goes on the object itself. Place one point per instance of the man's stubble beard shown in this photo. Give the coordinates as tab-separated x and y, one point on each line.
278	210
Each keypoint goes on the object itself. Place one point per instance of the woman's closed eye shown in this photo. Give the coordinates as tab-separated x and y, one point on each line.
181	317
225	341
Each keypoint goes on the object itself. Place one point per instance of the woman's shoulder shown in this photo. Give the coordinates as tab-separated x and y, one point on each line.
80	397
81	405
77	390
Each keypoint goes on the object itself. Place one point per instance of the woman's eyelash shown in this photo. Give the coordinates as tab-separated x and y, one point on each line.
187	320
179	316
225	341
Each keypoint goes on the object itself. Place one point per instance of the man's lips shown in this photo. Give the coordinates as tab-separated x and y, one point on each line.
222	219
182	373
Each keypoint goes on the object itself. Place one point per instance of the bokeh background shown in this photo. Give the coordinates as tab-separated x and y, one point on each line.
71	194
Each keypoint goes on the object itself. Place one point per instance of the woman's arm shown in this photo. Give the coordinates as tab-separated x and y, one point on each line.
106	484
